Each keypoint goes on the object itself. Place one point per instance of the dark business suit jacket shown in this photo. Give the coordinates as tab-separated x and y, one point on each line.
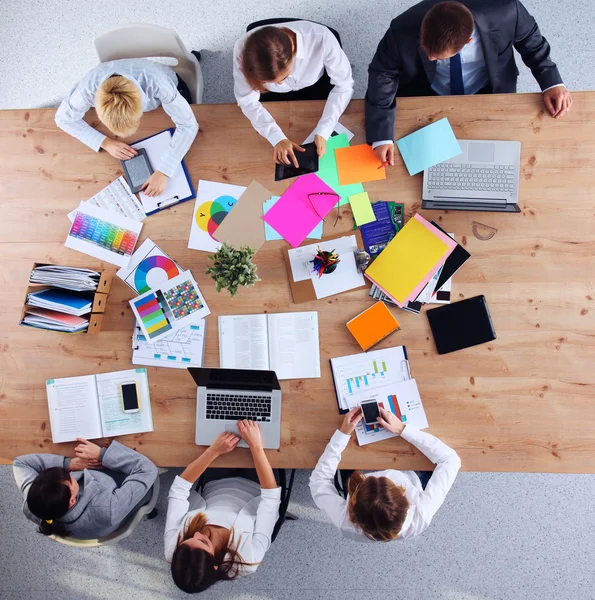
401	68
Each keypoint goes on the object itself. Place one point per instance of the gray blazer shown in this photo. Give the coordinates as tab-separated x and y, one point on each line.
102	505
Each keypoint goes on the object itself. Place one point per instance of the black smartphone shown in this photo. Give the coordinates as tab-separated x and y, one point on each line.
137	170
370	411
130	399
307	161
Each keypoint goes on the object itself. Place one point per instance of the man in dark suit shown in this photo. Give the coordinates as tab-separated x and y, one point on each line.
442	48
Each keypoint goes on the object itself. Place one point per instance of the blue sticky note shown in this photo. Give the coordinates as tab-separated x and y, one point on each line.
271	234
428	146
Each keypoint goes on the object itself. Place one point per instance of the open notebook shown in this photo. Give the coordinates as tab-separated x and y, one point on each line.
286	343
91	406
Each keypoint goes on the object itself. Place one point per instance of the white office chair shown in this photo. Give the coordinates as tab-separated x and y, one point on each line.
140	40
122	533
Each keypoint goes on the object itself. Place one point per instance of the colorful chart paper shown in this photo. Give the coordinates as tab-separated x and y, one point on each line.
362	209
357	164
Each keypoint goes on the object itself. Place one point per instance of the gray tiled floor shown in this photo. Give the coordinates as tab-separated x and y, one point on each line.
498	536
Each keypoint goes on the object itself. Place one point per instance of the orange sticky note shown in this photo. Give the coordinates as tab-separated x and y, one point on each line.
357	164
373	325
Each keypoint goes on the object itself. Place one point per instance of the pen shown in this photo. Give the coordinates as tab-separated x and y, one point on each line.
384	164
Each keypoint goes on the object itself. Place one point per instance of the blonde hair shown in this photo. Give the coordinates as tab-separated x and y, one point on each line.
119	105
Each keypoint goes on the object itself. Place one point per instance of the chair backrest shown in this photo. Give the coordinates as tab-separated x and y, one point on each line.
280	20
142	40
122	533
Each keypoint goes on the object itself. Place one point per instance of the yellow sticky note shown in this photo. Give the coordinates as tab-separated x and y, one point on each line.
362	209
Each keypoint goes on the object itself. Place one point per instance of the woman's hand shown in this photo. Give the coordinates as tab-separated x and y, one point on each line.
224	443
350	420
284	151
155	185
118	149
80	464
250	433
87	450
390	421
320	145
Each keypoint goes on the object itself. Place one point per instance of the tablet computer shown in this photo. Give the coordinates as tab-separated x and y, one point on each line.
461	325
137	170
307	161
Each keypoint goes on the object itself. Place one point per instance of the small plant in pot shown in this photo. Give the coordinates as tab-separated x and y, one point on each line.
231	268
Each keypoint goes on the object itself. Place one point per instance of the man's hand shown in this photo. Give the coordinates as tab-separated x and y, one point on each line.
224	443
80	464
118	149
385	153
155	185
320	145
558	101
284	153
390	421
87	450
350	420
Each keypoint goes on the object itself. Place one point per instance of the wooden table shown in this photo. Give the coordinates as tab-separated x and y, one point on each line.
525	402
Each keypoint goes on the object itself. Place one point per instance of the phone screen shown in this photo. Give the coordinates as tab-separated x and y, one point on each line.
307	161
138	170
129	397
370	411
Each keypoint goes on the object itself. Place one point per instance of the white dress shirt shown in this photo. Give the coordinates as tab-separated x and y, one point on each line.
158	85
235	503
423	503
316	49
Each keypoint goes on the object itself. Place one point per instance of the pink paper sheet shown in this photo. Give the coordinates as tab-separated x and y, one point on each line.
293	216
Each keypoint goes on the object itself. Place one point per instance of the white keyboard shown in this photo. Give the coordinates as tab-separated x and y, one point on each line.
475	178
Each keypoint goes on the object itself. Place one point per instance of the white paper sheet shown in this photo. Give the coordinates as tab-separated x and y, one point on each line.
243	342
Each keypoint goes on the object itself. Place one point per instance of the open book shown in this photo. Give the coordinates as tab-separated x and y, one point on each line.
286	343
91	406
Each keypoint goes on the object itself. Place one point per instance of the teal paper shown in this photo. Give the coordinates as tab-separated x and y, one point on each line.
327	169
428	146
271	234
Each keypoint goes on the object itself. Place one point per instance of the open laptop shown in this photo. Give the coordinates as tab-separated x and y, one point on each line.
485	177
225	396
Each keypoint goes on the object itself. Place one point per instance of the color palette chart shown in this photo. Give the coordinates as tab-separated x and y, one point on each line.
183	300
153	312
106	235
154	270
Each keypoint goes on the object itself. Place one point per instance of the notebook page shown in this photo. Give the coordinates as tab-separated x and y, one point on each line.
294	346
243	342
74	410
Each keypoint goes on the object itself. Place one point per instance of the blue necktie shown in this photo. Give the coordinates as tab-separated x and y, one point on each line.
456	76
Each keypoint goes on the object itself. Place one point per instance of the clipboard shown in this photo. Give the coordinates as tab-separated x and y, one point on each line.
303	291
165	202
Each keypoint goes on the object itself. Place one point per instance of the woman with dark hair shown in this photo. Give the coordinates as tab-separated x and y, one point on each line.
72	497
385	505
298	55
225	532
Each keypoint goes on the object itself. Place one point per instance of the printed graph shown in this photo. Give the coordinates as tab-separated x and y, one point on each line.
366	374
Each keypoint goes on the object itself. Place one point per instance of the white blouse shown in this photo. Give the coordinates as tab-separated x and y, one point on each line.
316	49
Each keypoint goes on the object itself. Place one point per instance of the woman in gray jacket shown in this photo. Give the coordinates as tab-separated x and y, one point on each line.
70	497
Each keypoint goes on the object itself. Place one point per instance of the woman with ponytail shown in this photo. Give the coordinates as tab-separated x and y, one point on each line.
86	497
226	531
385	505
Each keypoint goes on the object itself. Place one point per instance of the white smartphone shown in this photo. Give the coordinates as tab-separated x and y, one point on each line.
370	411
130	397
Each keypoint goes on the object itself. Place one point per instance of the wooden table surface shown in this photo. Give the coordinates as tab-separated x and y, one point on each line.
524	402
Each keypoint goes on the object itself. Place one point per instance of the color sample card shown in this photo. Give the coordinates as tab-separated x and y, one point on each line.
428	146
271	234
176	304
362	209
103	234
357	164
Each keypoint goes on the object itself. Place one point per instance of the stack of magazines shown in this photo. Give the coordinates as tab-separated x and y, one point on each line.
68	278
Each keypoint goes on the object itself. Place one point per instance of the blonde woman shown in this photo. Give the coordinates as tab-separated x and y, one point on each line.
121	91
385	505
226	531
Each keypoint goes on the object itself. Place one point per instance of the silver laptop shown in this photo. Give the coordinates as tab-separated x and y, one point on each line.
484	177
224	396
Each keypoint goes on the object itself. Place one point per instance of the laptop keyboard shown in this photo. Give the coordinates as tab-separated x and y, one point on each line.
474	178
229	407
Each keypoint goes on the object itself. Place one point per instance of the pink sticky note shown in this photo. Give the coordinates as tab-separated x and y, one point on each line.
295	215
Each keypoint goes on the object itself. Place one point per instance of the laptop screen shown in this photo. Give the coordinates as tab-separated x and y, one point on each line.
238	379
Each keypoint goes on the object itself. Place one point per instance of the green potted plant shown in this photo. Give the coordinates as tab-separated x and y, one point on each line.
231	268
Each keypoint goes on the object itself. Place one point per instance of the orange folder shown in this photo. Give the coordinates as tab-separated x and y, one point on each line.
356	164
373	325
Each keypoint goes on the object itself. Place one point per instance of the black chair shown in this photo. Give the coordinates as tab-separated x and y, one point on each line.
290	20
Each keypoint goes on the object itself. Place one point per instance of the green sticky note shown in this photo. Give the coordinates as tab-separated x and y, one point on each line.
141	370
362	209
327	169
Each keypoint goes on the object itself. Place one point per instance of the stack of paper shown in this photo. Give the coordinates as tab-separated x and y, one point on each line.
68	278
56	321
62	301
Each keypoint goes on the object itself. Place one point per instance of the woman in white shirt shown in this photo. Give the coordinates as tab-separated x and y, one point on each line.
384	505
121	91
284	59
226	531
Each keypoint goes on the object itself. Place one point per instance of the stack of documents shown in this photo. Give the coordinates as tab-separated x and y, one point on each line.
68	278
61	301
56	321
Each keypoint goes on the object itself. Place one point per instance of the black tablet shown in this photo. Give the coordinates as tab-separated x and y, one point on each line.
307	161
461	325
137	170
